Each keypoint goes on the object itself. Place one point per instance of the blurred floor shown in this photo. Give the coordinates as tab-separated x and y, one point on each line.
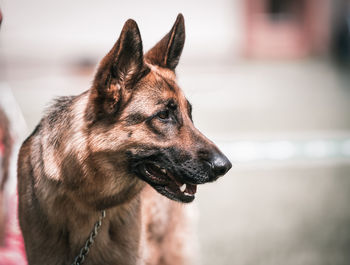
273	211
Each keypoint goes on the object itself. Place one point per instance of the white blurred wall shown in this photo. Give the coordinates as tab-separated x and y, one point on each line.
59	30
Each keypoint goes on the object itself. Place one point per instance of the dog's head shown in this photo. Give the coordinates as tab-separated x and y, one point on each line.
138	113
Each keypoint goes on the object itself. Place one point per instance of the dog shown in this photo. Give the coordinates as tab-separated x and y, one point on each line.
126	148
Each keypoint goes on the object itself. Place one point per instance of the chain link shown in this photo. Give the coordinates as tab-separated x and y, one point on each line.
84	251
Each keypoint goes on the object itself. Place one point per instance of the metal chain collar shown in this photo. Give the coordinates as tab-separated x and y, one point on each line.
90	241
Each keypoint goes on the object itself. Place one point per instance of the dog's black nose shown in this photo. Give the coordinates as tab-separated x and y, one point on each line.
219	164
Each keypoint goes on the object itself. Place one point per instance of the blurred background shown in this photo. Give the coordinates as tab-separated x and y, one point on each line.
269	82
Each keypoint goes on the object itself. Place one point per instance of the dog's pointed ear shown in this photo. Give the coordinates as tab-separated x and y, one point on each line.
166	53
119	70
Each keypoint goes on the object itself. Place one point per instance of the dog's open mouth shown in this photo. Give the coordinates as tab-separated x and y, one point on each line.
166	183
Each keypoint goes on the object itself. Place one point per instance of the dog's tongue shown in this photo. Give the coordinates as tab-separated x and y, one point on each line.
191	189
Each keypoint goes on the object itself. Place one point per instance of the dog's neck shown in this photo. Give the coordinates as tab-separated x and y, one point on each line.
90	240
71	164
70	222
70	198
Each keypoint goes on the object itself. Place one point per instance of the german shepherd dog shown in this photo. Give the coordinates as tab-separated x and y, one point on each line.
126	146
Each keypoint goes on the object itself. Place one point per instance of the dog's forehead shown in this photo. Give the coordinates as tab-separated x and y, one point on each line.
155	90
160	84
162	72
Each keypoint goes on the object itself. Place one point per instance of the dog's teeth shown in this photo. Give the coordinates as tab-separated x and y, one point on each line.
187	194
163	170
183	188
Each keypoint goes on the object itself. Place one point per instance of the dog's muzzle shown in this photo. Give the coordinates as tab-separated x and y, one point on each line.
175	173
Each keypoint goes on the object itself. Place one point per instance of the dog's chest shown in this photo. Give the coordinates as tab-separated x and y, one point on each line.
156	211
166	230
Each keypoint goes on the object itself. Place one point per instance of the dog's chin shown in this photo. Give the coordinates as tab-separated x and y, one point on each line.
163	181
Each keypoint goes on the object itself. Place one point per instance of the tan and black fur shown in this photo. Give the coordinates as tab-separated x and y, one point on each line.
125	146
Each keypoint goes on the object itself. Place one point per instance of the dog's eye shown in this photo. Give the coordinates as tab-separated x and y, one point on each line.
164	115
172	106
